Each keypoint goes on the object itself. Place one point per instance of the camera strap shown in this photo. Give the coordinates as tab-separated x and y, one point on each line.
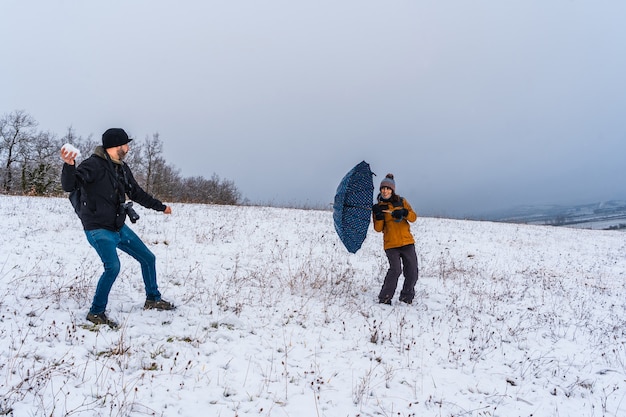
119	182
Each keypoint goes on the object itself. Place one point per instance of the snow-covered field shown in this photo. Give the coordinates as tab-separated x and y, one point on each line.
276	318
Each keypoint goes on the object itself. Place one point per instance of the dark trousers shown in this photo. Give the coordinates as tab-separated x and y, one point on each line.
402	260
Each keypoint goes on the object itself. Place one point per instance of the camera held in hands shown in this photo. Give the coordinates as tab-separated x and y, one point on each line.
130	211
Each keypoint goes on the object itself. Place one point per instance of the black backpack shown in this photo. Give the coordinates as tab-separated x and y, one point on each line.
75	200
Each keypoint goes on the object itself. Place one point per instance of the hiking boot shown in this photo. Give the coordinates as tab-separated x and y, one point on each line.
406	300
158	305
101	318
386	300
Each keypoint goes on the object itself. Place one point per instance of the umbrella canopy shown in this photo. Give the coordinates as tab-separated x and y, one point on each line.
352	209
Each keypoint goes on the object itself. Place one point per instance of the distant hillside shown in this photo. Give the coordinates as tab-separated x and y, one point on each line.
607	215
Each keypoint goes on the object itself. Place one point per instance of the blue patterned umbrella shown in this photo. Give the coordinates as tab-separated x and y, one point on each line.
352	209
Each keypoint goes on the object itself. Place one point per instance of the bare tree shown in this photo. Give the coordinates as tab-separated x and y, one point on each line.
17	129
152	160
228	193
202	190
167	181
40	169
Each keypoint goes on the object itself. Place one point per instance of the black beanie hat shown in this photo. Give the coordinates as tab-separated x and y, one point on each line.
114	137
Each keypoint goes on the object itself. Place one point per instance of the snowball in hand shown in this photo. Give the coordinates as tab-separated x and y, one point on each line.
68	147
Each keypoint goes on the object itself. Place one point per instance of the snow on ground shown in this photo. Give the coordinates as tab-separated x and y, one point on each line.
276	318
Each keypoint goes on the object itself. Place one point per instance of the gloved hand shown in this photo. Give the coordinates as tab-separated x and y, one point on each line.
400	213
377	209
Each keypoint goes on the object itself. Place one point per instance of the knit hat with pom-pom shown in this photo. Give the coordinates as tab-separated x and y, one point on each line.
388	182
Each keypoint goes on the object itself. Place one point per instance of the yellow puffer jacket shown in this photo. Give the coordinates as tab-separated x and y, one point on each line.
395	233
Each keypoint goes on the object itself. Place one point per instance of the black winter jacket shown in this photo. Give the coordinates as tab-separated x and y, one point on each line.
104	186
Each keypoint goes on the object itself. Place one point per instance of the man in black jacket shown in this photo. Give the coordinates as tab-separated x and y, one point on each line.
104	181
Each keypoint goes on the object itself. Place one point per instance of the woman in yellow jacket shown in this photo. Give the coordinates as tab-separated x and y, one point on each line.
392	215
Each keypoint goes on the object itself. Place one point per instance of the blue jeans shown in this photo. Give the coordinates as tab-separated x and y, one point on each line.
106	242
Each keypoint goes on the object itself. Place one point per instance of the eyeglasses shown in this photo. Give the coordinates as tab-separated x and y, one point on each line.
385	188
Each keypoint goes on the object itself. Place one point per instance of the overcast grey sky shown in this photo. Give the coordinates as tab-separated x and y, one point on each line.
472	105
